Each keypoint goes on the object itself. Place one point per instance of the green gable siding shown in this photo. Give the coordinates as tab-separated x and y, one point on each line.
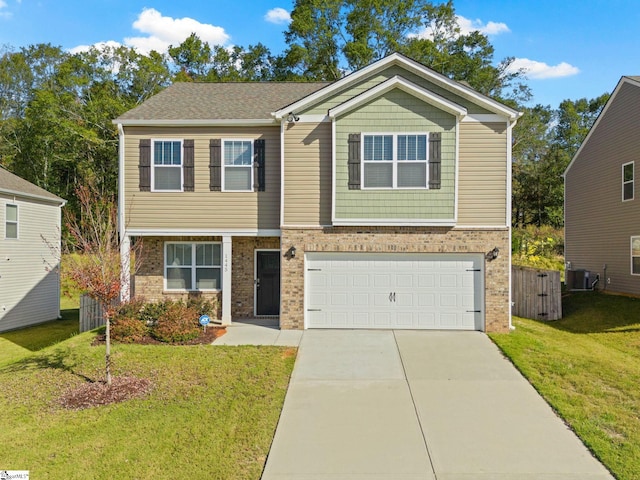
395	111
323	105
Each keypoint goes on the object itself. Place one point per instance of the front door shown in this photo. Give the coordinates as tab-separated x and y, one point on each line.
268	282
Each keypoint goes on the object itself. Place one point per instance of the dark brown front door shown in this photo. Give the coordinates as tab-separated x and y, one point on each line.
268	283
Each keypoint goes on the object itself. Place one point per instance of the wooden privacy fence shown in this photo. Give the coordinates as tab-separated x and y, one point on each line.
536	294
91	313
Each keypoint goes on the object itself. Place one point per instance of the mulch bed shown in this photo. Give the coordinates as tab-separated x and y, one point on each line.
204	339
94	394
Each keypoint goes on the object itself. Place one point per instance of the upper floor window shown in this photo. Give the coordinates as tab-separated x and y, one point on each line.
238	165
395	160
167	165
11	221
635	255
193	266
627	181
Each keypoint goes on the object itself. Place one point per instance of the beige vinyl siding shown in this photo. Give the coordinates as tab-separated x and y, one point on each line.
29	283
307	174
598	224
482	174
396	112
202	208
324	104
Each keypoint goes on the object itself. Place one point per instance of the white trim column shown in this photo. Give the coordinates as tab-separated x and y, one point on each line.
226	279
125	268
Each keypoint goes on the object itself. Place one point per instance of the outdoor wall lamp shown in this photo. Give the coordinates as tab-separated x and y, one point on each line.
292	117
291	253
493	254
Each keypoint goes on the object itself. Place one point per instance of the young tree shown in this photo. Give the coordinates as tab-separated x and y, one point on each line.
94	234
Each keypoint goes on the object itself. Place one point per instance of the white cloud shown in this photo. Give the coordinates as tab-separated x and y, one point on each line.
278	16
4	14
490	28
540	70
99	46
466	27
164	31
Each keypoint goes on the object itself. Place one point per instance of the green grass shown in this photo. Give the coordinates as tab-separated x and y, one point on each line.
211	415
587	366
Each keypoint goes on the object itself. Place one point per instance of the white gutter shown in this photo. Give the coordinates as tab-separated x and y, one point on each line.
16	193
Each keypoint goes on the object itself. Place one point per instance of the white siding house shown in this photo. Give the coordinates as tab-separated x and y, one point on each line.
30	220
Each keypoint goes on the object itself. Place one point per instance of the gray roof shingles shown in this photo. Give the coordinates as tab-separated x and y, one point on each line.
10	183
221	101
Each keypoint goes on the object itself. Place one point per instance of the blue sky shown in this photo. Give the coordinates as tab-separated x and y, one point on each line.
572	49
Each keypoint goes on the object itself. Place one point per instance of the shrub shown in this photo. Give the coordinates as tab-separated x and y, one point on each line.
178	323
202	305
128	329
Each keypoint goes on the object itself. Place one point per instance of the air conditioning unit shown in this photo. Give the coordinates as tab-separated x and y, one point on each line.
581	279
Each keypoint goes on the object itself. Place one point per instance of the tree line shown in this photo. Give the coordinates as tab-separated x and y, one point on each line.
57	107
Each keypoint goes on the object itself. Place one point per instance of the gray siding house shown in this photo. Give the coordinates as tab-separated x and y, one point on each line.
602	199
380	200
29	280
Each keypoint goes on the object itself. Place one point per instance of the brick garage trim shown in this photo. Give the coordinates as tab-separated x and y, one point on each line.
397	240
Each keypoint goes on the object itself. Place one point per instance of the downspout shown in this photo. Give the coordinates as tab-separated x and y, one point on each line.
510	126
125	246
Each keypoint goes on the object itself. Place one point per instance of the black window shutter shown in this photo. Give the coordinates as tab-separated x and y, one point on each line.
215	164
259	166
435	160
144	166
187	165
354	161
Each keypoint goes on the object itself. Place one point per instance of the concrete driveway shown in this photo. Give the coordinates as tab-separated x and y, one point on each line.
417	405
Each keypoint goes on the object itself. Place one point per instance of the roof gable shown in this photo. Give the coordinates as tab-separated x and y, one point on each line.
412	66
626	80
12	184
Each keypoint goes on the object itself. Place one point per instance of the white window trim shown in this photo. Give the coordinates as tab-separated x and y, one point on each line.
224	166
192	266
153	165
632	182
632	256
394	161
7	221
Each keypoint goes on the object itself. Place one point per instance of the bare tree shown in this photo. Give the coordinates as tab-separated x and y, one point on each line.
93	235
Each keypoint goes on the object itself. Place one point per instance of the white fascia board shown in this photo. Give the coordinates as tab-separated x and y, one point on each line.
409	222
412	66
179	232
16	193
406	86
257	122
621	82
485	118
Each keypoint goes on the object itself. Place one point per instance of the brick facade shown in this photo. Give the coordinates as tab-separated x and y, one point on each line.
149	280
396	240
243	273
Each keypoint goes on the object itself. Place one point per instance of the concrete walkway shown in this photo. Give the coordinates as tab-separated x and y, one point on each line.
417	405
259	332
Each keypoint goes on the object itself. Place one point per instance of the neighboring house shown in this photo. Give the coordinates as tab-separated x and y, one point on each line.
376	201
602	201
29	228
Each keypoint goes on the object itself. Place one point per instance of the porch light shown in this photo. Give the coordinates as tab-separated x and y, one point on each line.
493	254
291	253
292	117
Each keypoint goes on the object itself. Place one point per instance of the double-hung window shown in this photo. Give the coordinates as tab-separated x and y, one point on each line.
627	181
635	255
395	160
193	266
167	165
238	165
11	221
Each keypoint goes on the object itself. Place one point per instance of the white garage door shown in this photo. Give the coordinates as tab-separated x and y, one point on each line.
412	291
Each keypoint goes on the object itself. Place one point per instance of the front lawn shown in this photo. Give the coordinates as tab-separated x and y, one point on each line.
587	366
211	414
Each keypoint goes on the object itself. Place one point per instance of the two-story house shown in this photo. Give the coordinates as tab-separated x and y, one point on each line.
30	219
602	213
381	200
